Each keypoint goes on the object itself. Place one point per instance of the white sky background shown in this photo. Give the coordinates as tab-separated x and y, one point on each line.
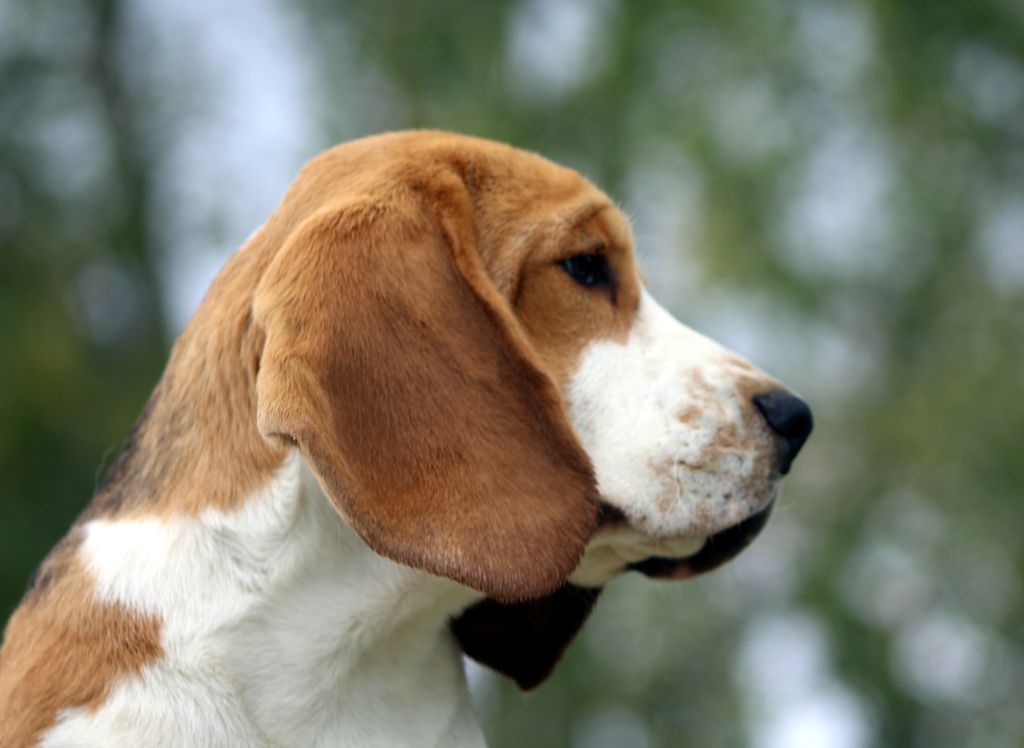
253	120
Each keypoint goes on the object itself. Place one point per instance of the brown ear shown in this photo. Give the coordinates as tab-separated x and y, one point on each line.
396	366
525	640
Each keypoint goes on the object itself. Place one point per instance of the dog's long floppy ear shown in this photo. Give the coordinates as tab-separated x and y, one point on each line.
524	640
394	363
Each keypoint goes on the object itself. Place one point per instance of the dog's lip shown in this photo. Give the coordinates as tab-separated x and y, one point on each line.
717	549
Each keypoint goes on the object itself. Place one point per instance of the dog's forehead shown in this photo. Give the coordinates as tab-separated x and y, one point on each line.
527	207
526	186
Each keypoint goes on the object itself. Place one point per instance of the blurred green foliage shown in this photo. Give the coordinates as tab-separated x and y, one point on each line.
835	188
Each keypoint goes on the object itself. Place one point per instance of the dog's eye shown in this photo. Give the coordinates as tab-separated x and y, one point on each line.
588	270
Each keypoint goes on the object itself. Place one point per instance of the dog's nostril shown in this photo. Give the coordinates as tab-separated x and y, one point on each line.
790	418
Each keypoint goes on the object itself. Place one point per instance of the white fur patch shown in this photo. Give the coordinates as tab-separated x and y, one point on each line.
672	444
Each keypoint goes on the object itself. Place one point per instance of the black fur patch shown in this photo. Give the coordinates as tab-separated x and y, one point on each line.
524	641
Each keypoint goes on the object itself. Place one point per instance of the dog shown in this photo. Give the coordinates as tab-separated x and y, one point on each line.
427	410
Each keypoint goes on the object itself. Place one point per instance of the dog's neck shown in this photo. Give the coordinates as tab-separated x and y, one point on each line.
352	640
281	604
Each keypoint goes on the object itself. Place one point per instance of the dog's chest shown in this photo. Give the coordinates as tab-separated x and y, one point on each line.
278	627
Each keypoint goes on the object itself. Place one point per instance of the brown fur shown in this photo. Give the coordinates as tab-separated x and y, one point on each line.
559	319
402	319
70	649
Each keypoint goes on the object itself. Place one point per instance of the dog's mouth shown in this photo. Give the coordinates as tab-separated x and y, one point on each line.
717	549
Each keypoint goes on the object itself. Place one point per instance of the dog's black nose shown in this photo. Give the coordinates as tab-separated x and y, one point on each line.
790	418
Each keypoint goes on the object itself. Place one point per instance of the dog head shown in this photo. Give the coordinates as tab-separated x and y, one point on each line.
458	338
